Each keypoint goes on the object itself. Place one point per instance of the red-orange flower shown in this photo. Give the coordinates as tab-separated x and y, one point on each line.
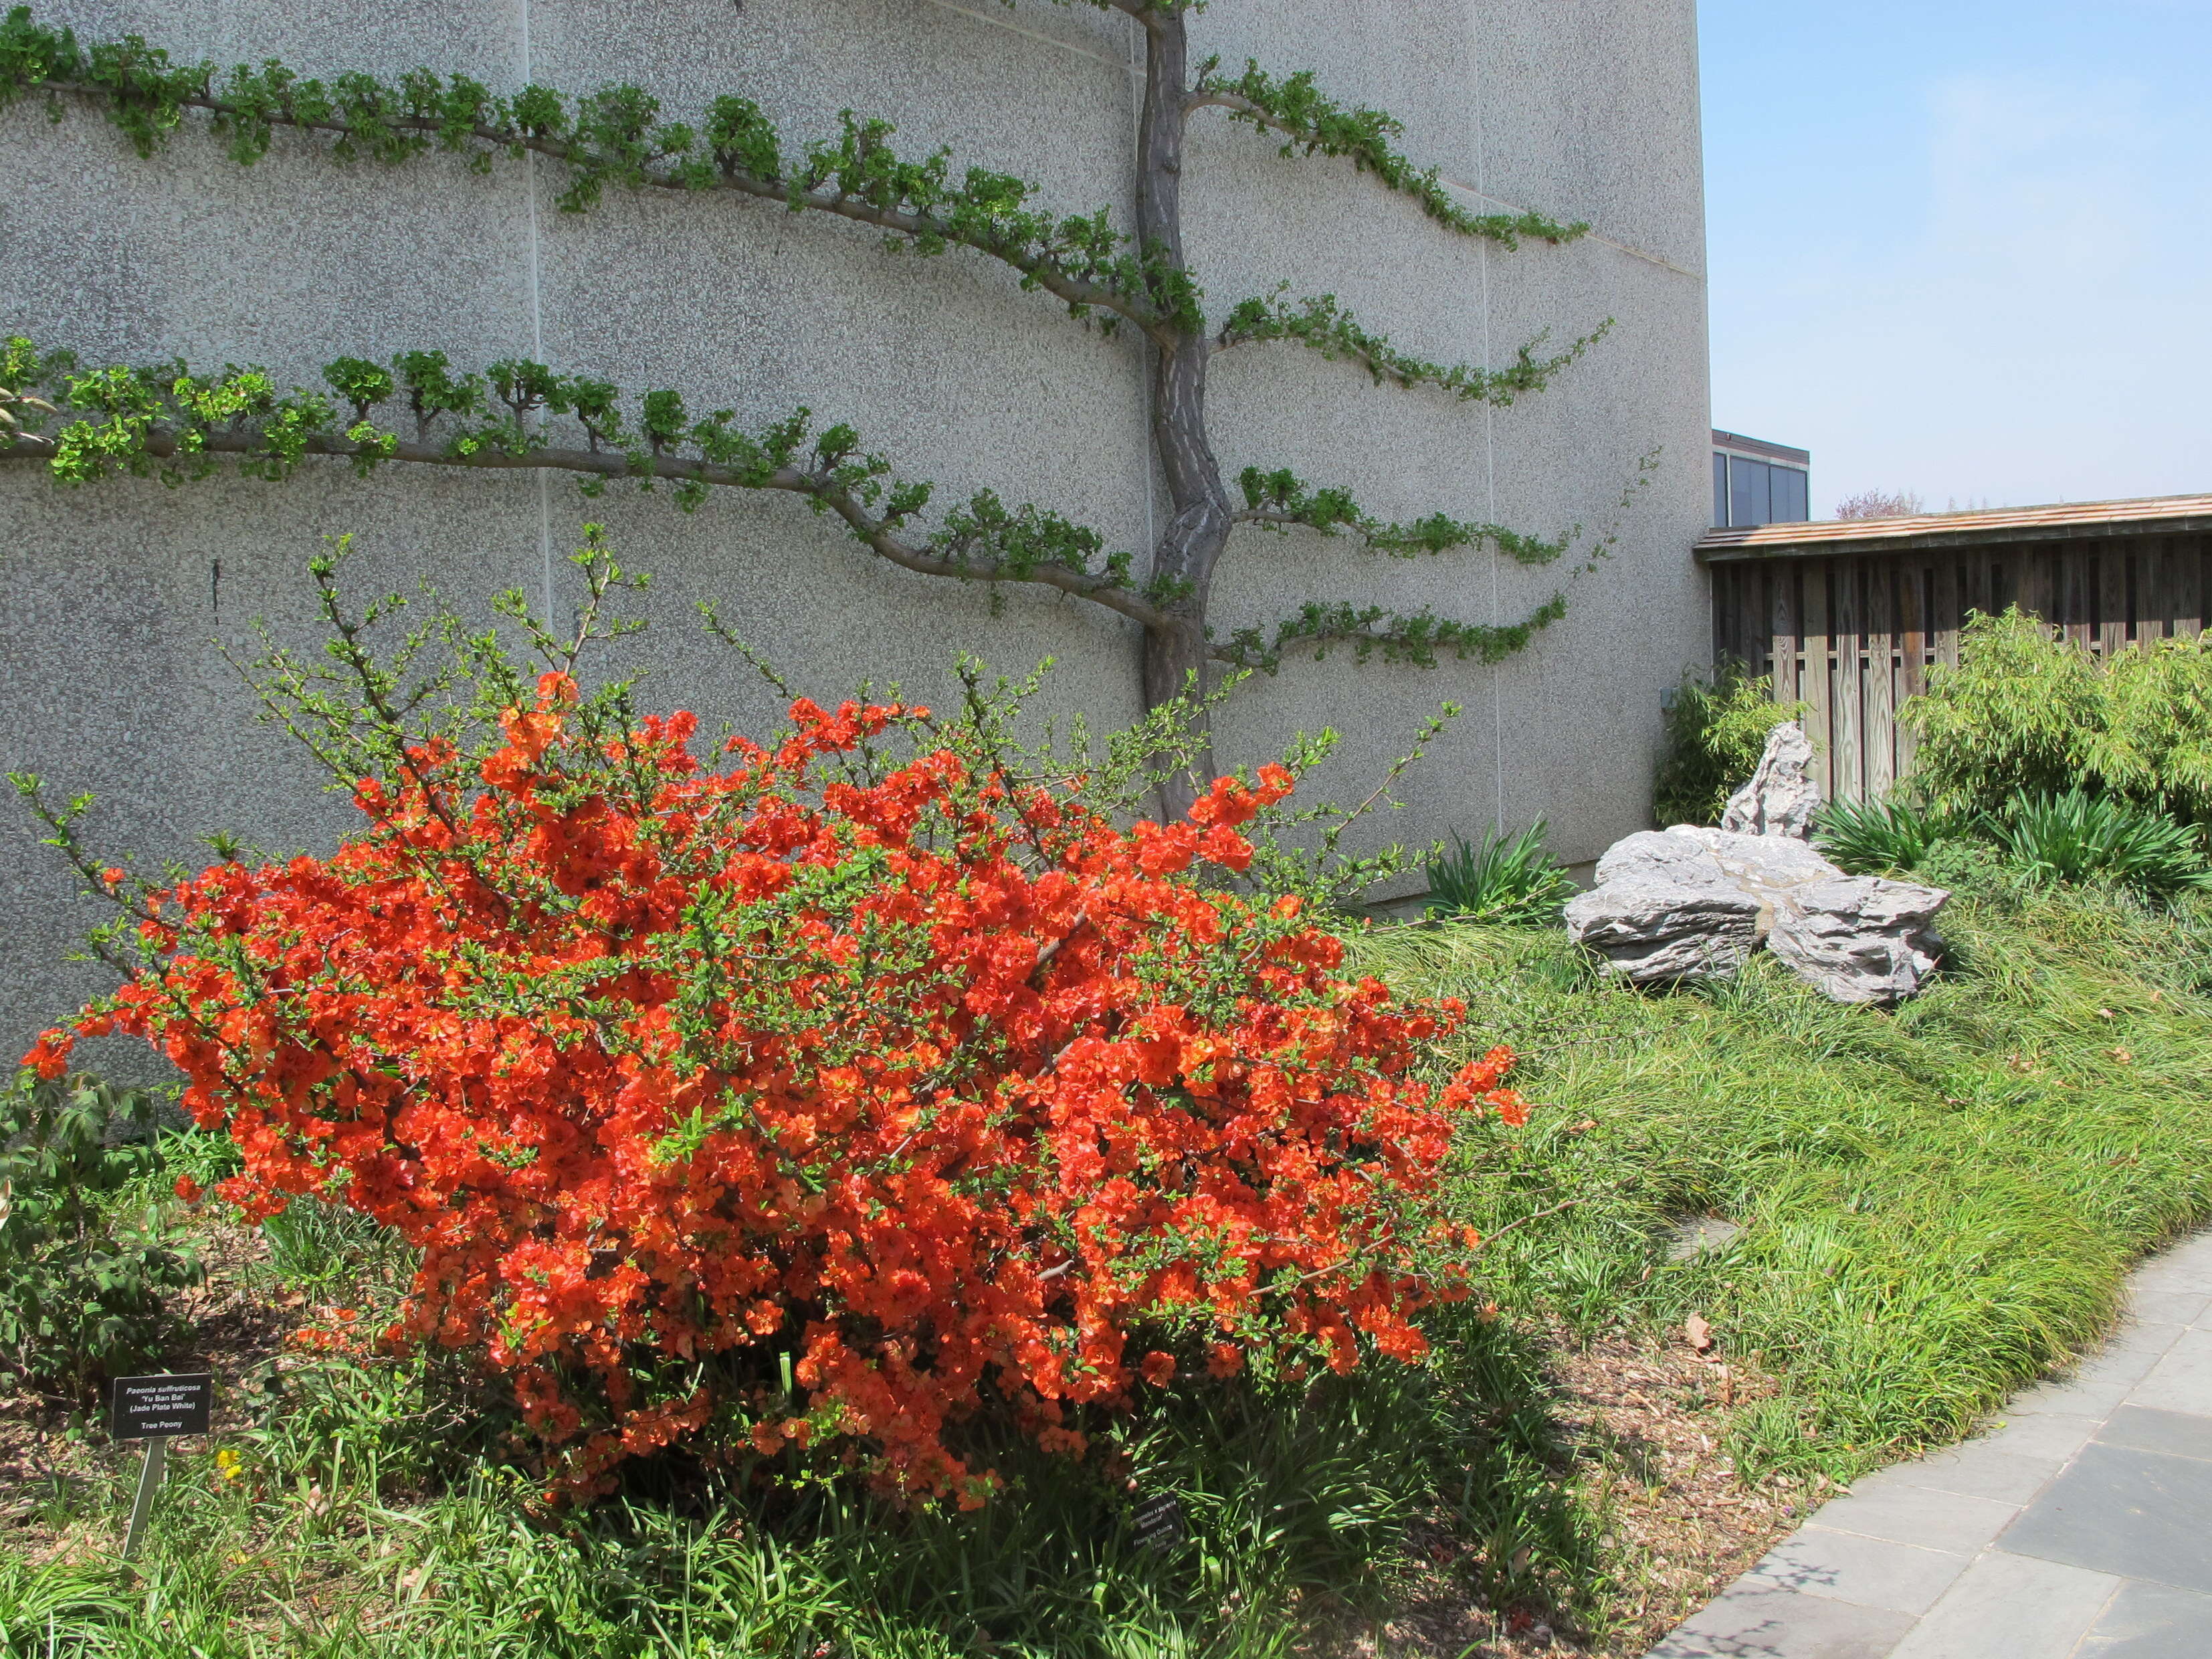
814	1099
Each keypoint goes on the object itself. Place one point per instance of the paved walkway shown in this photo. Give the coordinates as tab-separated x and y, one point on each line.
2080	1527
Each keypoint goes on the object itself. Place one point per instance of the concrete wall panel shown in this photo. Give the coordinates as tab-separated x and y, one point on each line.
1586	109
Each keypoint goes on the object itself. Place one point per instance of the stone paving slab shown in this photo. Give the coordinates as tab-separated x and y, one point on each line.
2151	1621
2079	1526
1780	1624
2135	1514
2011	1605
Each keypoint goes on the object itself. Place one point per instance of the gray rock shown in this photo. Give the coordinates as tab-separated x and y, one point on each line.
1771	864
1651	931
1692	903
1658	855
1781	797
1859	938
1701	1235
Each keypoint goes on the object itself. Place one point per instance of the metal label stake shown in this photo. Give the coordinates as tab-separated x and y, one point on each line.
149	1482
154	1409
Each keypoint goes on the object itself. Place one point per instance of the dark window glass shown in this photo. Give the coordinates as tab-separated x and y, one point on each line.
1790	501
1720	490
1748	492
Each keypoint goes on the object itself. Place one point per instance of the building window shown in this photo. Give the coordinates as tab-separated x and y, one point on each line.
1789	495
1750	491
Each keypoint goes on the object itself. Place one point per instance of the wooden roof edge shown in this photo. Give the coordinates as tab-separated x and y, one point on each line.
1962	530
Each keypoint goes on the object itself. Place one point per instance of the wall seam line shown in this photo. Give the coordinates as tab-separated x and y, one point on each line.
1016	28
537	329
1489	423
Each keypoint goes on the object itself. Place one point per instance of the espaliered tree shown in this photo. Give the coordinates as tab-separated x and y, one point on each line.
418	407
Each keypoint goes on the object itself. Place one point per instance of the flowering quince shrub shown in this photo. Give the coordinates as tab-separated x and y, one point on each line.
820	1093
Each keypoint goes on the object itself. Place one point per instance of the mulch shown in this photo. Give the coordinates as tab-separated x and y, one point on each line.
1645	1424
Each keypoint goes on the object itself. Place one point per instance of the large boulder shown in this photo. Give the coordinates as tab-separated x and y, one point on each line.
1780	797
1766	863
1860	938
1693	903
1652	931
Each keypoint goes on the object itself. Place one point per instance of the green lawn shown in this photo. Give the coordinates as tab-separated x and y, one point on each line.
1936	1204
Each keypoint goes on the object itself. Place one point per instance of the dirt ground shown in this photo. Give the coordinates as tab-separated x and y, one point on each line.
1645	1422
236	1324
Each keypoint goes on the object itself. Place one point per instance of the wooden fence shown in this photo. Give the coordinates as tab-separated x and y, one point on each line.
1853	634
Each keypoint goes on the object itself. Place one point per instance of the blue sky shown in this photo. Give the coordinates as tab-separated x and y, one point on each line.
1962	248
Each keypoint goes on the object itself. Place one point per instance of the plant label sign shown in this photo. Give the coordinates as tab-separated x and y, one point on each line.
148	1408
1159	1522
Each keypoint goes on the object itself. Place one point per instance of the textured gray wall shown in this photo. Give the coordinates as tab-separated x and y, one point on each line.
1579	108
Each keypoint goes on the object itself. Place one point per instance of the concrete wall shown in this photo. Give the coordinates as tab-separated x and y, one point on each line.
1580	108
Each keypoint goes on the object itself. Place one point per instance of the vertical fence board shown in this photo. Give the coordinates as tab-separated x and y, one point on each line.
1817	685
2173	597
1916	586
2039	573
1880	716
2068	600
1782	629
2114	617
2149	611
2185	569
1849	720
1755	613
1950	606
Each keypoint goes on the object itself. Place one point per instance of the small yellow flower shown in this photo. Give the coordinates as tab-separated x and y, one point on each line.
228	1464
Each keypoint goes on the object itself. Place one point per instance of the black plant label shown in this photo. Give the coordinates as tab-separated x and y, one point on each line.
1159	1522
148	1408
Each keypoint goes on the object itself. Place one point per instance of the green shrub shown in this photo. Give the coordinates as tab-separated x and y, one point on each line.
2079	837
1873	838
82	1269
2156	744
2028	712
1715	731
1505	880
1970	865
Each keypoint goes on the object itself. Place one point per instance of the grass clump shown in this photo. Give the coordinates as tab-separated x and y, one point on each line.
2079	837
1937	1204
365	1506
1884	837
1505	880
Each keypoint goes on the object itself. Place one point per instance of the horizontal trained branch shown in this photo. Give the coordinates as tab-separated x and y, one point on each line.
1416	639
1320	323
613	136
170	423
1313	122
1281	500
